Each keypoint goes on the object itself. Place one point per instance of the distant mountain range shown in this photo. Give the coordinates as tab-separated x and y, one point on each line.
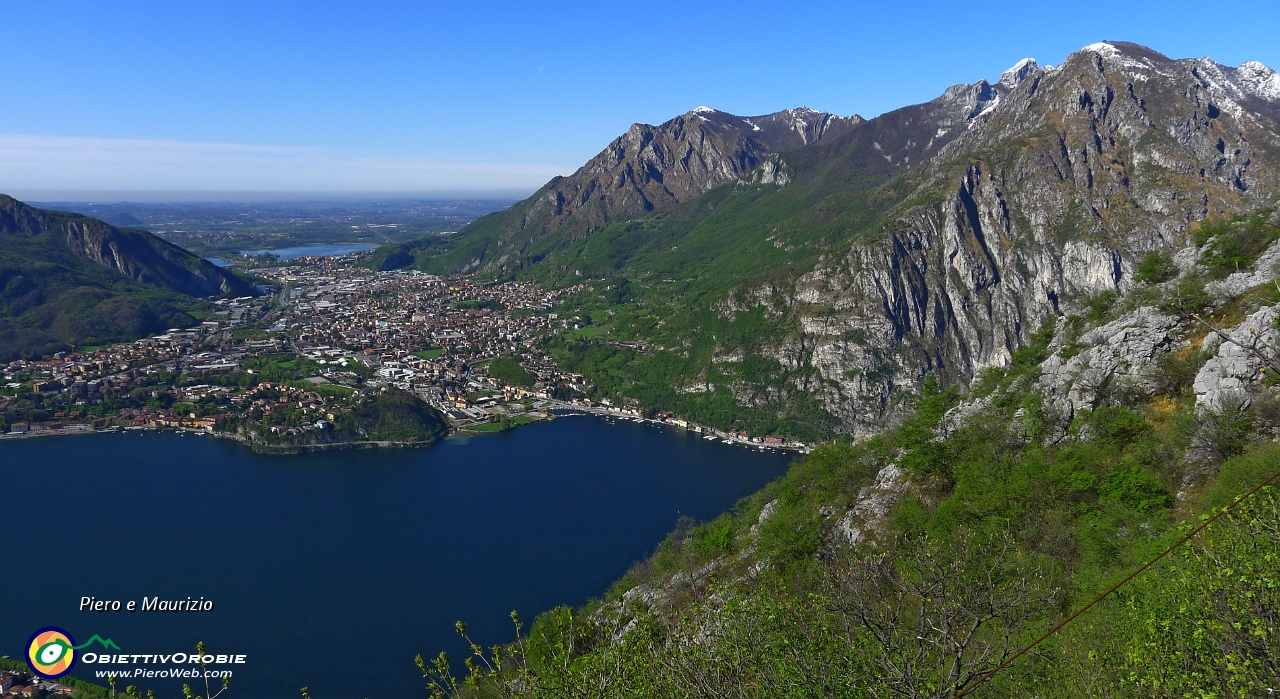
67	279
867	254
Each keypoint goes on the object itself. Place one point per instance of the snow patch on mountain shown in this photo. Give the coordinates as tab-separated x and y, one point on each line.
1114	55
1019	72
1258	80
1221	85
990	107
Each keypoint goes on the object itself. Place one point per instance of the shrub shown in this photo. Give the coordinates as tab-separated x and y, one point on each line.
1097	306
1190	296
1233	245
1222	430
792	534
1154	268
1175	372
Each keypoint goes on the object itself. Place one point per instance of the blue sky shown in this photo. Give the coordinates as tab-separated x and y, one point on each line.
423	97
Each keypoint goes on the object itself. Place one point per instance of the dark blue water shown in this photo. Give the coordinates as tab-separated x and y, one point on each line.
337	568
319	249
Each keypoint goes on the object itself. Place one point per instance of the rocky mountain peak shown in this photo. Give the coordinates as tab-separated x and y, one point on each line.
1020	71
1258	80
651	166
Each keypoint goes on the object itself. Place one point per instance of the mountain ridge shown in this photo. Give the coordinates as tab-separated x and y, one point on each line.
67	278
931	240
638	173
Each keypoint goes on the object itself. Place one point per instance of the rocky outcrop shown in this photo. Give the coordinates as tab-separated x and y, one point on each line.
652	166
1238	360
990	210
1116	357
871	510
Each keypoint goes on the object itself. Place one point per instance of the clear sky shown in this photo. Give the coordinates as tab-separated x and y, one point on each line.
474	96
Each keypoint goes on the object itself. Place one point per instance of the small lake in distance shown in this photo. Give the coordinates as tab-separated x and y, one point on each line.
317	250
342	564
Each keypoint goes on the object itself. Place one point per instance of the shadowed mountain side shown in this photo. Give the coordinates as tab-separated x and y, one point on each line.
67	279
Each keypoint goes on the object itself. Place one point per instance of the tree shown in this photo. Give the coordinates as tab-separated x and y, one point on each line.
202	653
938	615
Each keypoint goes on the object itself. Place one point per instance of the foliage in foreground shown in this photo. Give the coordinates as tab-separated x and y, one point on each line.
1002	535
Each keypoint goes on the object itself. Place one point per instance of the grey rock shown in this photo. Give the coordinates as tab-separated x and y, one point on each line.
871	510
1235	368
1120	354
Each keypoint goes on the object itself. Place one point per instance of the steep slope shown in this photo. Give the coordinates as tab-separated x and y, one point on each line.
67	279
815	303
1068	183
656	169
973	527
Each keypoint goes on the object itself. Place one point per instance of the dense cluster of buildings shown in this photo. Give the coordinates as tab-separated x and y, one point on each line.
329	324
294	360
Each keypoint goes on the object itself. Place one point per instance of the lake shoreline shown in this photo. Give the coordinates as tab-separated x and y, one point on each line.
258	447
568	410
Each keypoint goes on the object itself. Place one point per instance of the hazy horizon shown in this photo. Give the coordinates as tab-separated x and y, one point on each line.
108	196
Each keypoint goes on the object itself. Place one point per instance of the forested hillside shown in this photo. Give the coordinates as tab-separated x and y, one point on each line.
1038	324
66	279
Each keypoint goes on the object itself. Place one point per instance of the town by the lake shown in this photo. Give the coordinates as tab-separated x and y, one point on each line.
323	335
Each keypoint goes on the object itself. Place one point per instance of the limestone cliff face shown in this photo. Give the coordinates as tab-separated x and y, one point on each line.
1053	193
134	254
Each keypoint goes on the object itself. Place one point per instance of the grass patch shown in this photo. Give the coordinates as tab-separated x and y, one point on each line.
501	425
584	333
250	334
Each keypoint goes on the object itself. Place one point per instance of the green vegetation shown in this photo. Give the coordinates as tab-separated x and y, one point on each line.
396	416
645	373
1157	266
53	297
1004	531
429	354
502	423
1234	244
280	368
508	371
391	415
325	390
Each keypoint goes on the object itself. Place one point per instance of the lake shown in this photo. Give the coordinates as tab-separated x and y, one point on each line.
317	250
336	568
